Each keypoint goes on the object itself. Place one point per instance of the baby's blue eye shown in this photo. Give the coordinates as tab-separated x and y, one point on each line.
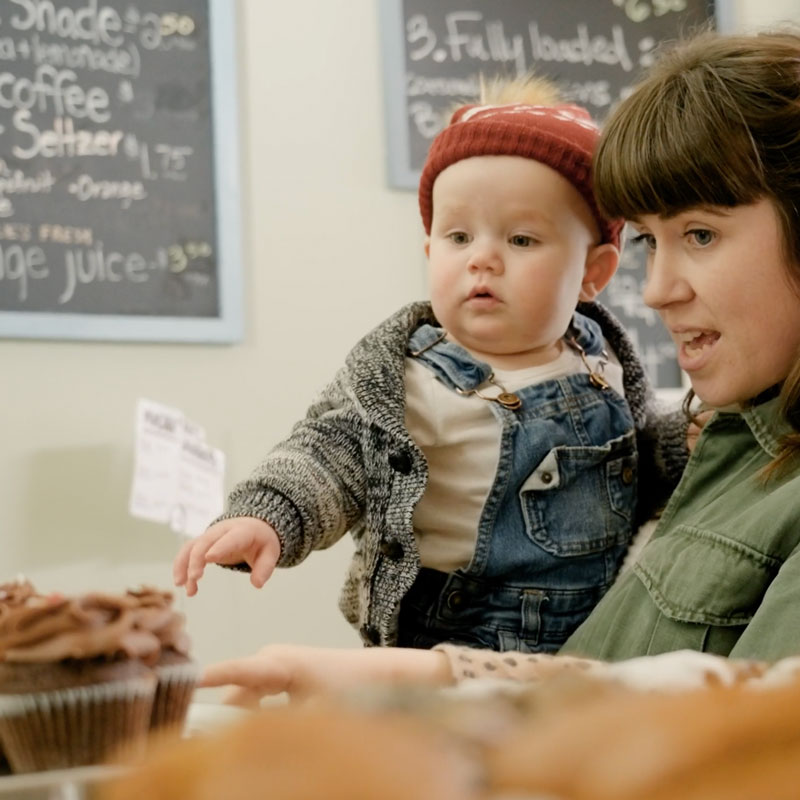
521	240
458	237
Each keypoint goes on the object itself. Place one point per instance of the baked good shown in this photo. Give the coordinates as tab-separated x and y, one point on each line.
15	593
74	686
297	753
609	742
176	672
12	594
627	733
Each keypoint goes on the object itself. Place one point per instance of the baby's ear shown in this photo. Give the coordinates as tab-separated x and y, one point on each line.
602	261
427	247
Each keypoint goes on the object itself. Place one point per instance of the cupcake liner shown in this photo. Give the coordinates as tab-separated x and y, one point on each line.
75	726
176	683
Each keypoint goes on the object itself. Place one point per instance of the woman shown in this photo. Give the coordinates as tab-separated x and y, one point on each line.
703	160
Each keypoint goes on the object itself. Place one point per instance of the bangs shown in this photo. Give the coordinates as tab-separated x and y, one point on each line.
676	145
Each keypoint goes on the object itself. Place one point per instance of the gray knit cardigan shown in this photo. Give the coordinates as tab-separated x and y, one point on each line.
351	465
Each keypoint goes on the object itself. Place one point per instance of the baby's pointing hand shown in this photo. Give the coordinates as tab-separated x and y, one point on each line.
230	541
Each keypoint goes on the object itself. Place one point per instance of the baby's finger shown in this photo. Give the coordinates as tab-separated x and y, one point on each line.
263	567
180	565
197	555
228	548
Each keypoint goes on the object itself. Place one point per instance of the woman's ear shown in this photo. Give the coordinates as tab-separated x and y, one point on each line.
601	264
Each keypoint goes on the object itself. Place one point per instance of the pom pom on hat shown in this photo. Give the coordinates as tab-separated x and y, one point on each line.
562	137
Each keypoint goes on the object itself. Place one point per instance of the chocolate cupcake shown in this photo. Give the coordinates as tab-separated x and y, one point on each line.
12	595
15	593
74	689
176	672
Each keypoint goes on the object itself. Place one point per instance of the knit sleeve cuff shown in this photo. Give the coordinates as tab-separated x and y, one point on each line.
276	509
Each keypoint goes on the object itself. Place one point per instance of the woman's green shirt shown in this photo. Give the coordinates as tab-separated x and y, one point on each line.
721	573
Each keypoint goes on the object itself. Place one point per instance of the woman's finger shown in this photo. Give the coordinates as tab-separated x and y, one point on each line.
258	673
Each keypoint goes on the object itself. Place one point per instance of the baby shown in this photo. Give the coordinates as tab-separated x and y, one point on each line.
484	449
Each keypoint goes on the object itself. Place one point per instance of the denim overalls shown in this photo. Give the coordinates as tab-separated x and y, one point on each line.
556	522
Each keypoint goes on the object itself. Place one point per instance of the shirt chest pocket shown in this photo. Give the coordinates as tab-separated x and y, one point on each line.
702	577
580	500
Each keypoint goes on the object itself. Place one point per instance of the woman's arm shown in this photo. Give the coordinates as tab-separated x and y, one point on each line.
302	671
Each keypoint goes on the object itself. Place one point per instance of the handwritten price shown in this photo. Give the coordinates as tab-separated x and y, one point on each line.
179	24
158	28
179	256
170	162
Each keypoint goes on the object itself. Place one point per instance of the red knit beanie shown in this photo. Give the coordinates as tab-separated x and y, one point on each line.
563	137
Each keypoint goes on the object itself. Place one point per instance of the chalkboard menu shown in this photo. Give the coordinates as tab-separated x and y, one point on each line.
118	170
594	50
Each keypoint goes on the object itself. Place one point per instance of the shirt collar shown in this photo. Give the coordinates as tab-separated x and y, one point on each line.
767	424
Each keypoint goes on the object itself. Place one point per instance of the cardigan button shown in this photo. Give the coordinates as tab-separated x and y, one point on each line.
371	634
400	461
393	549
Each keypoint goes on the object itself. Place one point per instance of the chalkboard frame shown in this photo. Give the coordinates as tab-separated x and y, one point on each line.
399	171
228	325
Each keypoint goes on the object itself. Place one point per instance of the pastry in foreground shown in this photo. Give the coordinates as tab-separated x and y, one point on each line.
682	726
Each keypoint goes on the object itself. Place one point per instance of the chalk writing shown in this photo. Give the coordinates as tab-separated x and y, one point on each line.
106	186
473	36
85	188
125	60
19	182
64	234
15	232
20	265
55	90
61	140
91	23
640	10
483	42
98	265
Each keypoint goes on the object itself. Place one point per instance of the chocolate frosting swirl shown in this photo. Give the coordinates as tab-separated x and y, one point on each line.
55	628
156	615
15	593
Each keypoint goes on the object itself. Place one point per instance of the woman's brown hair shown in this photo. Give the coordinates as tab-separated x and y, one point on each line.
715	122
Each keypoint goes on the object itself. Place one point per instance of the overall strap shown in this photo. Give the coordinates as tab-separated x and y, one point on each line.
450	362
588	334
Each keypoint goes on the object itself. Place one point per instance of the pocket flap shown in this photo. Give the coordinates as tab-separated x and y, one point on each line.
544	477
699	576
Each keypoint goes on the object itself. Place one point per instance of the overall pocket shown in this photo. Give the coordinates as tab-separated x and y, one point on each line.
580	500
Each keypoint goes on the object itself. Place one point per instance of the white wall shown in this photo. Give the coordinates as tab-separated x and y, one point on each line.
329	251
754	14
